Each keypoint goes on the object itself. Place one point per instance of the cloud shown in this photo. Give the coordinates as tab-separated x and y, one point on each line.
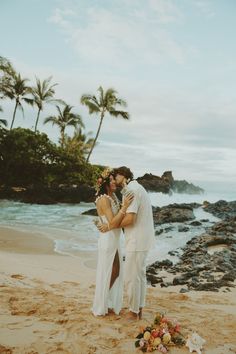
59	17
204	7
185	161
112	36
166	11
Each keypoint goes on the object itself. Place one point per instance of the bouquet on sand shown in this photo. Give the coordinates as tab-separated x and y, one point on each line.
161	335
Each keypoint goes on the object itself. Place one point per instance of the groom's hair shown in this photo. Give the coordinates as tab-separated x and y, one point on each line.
123	171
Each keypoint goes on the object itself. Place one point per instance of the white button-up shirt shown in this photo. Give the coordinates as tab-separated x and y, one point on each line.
140	235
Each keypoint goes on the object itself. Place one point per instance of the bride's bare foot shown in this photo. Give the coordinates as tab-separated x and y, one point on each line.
140	315
110	312
132	316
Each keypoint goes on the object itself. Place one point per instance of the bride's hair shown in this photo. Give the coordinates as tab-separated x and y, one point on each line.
103	182
124	171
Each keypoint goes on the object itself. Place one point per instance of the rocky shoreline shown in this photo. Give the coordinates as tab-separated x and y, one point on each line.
208	261
86	193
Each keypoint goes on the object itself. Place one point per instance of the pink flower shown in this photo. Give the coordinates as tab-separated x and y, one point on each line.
155	333
161	348
142	343
177	327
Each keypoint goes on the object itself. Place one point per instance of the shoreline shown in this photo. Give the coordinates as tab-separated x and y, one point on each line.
46	301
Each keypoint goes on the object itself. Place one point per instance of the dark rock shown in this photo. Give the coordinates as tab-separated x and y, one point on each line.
183	290
92	212
173	213
163	264
172	253
221	209
180	280
229	276
49	195
183	228
167	184
155	183
165	285
152	279
158	232
195	223
198	268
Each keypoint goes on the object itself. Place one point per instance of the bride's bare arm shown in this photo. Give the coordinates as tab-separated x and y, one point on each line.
114	221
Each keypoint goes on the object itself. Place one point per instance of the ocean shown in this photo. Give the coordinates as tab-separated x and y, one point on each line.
74	233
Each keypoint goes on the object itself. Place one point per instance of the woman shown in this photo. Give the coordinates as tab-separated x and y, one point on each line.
109	279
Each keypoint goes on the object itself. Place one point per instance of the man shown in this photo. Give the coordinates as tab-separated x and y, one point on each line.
139	238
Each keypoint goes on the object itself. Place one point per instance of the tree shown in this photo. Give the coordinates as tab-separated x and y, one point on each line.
65	118
3	121
5	68
25	157
79	144
42	93
14	87
106	102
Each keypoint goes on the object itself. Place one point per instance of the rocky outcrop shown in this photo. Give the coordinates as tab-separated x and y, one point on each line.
208	261
84	193
155	183
91	212
174	213
167	184
45	195
221	209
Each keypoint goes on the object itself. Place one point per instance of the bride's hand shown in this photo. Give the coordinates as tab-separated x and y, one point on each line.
128	200
103	227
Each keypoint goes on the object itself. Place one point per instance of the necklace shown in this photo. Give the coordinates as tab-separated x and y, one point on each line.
115	201
113	198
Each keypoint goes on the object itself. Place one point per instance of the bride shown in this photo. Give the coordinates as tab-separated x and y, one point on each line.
109	278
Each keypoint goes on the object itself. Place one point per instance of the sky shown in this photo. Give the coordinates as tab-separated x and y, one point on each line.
173	61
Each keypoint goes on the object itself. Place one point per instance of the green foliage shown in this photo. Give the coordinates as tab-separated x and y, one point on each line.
106	102
28	158
64	119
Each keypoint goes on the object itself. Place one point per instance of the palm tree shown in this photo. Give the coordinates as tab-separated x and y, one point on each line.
42	93
106	102
3	121
13	86
5	65
79	143
63	119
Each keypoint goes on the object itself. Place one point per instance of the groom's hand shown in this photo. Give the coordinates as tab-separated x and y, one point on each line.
103	227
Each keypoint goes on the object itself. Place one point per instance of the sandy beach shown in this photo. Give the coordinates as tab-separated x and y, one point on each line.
46	299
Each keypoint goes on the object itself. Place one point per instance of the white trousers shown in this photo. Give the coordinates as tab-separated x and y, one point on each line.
135	279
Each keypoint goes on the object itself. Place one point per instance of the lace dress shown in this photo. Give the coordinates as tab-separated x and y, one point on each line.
108	244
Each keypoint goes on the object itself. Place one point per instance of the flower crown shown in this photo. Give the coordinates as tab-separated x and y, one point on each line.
102	178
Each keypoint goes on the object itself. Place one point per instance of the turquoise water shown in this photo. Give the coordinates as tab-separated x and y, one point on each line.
73	232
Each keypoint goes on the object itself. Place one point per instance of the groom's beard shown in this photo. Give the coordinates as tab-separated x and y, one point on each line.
119	185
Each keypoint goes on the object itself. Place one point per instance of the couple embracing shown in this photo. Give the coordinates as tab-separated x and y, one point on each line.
134	215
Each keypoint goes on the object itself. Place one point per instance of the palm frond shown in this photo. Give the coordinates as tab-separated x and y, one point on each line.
116	113
121	102
3	122
19	106
51	119
30	101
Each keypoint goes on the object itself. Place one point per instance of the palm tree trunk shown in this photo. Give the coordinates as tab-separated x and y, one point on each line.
94	142
62	137
14	115
36	124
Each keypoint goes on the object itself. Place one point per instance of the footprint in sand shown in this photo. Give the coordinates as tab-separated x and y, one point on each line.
17	276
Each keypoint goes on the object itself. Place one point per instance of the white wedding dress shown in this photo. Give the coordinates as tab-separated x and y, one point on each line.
108	244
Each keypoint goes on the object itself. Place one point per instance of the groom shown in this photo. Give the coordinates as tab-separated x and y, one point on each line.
139	238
